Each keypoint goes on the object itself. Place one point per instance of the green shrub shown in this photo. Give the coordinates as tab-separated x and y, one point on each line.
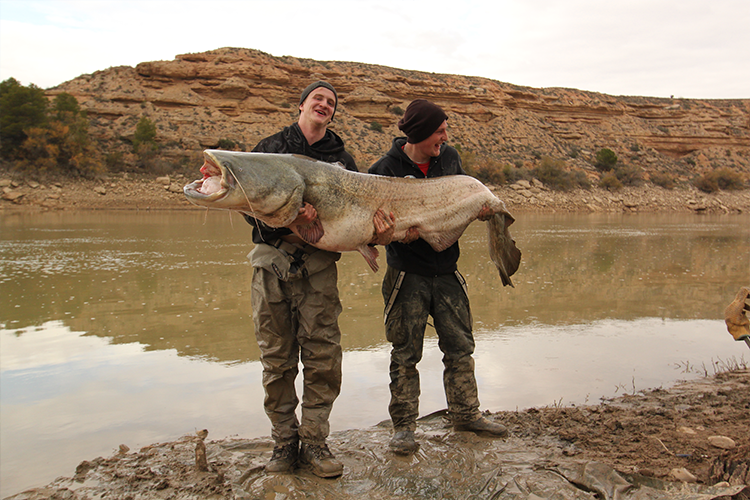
553	174
580	179
396	110
66	107
60	143
376	127
606	159
145	134
21	108
516	173
663	180
629	175
227	144
719	179
610	181
482	168
489	173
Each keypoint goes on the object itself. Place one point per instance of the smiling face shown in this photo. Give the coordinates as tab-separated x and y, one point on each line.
318	108
430	147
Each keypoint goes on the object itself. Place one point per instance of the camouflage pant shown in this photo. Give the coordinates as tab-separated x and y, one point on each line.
443	298
293	320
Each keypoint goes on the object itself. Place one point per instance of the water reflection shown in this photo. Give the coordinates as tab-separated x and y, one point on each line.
181	281
136	327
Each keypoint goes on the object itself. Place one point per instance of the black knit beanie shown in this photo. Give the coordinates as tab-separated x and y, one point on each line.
421	119
315	85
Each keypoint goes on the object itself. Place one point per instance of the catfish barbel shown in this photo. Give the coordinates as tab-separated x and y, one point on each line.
272	188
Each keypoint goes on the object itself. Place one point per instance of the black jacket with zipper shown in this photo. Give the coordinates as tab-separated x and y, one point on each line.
419	257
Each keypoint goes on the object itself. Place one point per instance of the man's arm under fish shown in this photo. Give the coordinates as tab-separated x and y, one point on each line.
383	225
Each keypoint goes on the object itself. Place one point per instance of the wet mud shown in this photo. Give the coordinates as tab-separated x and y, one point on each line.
691	441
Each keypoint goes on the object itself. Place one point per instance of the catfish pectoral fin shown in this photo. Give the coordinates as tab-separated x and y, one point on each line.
371	256
311	232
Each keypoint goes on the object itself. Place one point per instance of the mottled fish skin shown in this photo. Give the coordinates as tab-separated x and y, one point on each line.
273	187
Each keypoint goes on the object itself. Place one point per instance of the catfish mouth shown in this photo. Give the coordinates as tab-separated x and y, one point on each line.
214	185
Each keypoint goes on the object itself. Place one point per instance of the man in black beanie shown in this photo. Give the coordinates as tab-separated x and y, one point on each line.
296	313
420	282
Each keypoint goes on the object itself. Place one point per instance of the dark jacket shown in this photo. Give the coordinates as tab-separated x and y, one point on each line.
291	140
419	257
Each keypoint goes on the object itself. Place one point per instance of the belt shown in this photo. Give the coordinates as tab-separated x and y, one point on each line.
293	250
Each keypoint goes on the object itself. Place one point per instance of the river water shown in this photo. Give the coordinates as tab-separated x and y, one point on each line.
135	327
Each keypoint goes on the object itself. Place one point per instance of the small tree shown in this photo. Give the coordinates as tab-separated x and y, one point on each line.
62	144
145	134
606	159
21	108
144	142
66	107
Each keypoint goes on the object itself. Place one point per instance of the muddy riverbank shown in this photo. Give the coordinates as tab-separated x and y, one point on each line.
687	441
149	192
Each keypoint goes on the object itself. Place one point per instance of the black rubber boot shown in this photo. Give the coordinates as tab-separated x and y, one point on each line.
402	443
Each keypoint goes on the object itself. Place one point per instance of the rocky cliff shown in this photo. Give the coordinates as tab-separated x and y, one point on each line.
243	95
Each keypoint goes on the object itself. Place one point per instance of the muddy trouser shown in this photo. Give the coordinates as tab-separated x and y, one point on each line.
444	298
293	320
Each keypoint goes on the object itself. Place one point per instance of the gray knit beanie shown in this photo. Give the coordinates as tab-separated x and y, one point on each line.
315	85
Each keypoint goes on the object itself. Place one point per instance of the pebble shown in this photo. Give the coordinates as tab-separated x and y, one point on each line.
684	475
722	442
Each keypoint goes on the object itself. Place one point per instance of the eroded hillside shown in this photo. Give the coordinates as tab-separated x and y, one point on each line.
243	95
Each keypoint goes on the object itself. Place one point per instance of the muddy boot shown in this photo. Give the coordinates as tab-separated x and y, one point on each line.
483	426
402	443
320	461
284	457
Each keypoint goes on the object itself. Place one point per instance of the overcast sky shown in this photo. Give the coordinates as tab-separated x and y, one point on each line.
685	48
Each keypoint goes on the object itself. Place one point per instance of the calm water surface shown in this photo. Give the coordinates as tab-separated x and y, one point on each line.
136	327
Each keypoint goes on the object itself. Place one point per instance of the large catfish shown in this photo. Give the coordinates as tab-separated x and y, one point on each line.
273	187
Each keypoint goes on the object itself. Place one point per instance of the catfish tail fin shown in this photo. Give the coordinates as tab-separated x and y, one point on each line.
503	251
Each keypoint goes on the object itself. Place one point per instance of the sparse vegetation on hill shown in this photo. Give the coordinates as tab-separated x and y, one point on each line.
720	179
39	137
231	98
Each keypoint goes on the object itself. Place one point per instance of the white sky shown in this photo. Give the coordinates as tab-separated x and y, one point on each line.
685	48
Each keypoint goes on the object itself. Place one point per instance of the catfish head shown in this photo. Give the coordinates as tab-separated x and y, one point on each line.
263	185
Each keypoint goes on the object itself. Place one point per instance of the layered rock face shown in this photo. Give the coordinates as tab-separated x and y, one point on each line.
233	95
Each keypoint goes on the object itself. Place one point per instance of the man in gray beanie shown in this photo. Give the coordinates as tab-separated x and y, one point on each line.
420	282
296	313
